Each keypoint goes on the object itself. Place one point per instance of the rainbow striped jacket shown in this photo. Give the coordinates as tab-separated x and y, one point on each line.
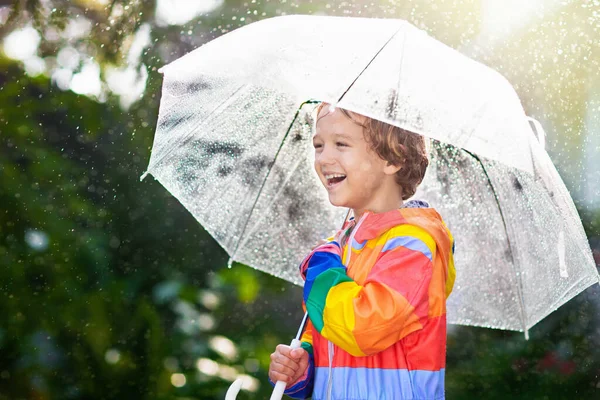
377	308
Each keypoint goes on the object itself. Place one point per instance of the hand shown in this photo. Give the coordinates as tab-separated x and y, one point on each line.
288	365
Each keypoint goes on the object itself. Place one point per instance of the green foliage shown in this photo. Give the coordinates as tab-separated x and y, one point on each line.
83	315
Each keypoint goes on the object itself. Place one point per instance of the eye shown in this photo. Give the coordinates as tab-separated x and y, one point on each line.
341	144
317	145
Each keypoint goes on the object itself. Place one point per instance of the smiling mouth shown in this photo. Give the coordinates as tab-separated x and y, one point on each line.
334	179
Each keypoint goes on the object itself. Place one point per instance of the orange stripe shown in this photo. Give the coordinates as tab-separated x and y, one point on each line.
437	290
307	335
367	257
379	313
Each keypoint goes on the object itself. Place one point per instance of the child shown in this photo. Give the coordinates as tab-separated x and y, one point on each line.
376	292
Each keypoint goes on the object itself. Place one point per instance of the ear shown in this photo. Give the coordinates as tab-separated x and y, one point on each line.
391	169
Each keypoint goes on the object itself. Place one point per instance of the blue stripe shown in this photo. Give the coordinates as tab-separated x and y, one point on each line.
358	246
378	383
318	263
410	242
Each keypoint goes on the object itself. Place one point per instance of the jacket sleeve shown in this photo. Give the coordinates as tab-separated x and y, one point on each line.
393	302
303	387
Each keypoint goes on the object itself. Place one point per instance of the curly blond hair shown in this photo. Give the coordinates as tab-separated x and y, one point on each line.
397	146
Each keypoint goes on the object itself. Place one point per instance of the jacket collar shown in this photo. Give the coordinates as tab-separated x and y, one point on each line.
414	212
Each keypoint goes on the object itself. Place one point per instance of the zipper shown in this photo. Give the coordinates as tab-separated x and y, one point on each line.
330	346
330	351
351	238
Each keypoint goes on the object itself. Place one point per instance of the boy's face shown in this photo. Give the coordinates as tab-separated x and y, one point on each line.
354	175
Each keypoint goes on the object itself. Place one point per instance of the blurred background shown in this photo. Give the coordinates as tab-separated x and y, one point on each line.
108	286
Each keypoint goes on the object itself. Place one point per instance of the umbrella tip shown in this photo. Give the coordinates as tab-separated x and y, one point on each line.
538	130
143	176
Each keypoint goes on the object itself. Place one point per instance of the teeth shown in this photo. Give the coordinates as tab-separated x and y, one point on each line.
331	176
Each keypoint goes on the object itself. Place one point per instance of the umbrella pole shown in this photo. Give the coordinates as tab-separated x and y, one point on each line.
280	385
302	326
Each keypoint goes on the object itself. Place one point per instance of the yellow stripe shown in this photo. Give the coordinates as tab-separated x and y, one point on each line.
413	231
339	308
451	275
400	230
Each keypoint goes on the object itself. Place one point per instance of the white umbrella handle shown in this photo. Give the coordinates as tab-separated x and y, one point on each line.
233	390
280	385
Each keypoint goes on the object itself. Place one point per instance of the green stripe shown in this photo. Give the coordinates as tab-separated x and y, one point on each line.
308	347
318	294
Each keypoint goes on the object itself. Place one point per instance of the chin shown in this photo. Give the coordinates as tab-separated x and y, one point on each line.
337	202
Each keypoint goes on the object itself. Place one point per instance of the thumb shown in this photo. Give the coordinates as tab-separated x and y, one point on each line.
297	353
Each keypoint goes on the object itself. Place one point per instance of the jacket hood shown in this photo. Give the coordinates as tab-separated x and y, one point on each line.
417	213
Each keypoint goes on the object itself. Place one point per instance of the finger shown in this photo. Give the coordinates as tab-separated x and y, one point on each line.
277	376
286	360
283	349
302	359
283	369
303	362
282	355
282	352
296	354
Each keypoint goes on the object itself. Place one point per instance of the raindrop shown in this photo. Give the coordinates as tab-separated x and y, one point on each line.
561	255
178	380
37	240
207	366
112	356
171	363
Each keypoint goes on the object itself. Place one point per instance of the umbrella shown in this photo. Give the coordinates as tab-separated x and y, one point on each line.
232	145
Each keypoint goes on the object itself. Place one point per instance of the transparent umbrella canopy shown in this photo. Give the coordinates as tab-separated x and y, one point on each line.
233	145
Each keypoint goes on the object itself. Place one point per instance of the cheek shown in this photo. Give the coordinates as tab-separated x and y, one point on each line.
366	174
316	167
370	181
365	167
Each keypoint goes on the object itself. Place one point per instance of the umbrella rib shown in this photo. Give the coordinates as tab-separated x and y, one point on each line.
369	63
168	149
287	132
285	181
510	247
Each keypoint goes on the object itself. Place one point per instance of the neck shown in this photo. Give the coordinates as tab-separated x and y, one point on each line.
388	197
359	212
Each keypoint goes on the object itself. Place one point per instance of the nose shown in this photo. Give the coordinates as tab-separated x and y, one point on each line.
325	156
